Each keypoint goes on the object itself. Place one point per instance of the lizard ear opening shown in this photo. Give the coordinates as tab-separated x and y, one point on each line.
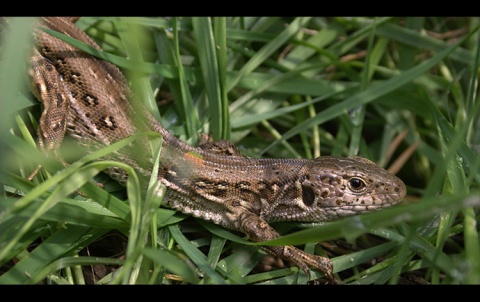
308	196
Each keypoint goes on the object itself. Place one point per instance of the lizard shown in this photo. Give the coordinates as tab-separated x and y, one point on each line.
90	100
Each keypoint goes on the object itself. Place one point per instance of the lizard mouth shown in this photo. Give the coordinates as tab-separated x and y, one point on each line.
355	209
334	212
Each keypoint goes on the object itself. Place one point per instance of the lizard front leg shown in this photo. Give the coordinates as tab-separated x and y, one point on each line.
259	230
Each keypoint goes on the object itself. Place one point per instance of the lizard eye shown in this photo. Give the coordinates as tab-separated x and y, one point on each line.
356	184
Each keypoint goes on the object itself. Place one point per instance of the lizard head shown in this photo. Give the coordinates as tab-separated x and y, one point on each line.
330	187
333	187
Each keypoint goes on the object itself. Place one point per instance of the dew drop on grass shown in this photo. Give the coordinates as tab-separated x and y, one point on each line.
385	235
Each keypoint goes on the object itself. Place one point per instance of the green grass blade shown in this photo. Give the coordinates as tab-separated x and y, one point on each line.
197	257
268	49
375	91
210	67
63	241
352	227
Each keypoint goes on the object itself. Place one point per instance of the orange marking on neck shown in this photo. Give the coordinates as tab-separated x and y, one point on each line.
194	157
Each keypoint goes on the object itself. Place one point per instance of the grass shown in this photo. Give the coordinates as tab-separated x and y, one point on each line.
400	91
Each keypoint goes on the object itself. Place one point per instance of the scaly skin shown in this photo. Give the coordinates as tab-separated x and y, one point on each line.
88	99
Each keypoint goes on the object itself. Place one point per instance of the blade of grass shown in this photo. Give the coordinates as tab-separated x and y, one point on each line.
372	93
268	49
211	70
61	242
195	255
351	227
